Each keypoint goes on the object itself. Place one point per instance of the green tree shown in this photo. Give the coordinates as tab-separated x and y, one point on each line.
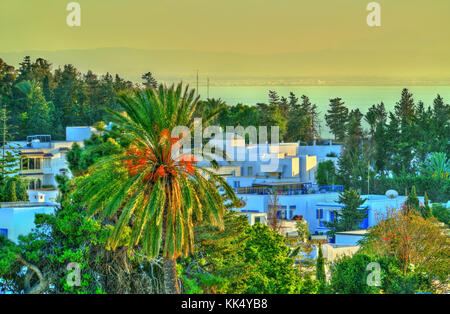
38	119
10	160
272	267
336	118
326	173
73	157
405	112
441	213
320	270
302	122
412	202
14	189
154	197
425	209
218	266
351	215
270	115
356	155
348	275
149	80
38	262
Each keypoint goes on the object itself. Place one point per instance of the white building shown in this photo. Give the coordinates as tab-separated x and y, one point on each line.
42	159
17	218
316	208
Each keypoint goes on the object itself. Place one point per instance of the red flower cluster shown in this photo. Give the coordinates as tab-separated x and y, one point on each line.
141	159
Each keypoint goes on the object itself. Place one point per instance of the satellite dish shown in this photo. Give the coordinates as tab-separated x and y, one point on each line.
391	193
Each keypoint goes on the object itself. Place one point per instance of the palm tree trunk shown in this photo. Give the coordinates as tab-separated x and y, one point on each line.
170	276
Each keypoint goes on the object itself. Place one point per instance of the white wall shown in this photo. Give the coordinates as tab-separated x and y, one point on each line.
78	133
306	205
347	239
20	220
319	150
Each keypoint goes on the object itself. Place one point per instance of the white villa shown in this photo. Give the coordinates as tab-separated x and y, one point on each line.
43	159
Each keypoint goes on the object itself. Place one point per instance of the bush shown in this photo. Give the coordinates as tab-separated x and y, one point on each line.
441	213
349	275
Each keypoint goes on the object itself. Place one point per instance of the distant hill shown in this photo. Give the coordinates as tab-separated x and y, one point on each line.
251	69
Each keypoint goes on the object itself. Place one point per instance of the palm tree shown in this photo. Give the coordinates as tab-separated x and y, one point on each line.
436	165
152	197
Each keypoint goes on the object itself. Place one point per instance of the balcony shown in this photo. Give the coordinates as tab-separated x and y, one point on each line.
303	188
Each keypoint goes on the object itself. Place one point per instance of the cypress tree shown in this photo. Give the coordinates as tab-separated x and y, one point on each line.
320	270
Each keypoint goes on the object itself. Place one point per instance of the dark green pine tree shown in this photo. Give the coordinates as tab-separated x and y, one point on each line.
284	107
380	147
405	112
336	118
149	80
405	109
350	216
371	118
39	120
440	126
9	160
274	99
355	154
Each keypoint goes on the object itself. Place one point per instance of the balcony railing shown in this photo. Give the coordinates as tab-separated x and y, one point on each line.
305	189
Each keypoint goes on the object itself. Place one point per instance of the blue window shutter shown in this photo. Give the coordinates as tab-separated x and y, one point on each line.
4	232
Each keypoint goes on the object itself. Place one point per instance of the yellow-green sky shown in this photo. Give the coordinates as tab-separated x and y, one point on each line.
320	39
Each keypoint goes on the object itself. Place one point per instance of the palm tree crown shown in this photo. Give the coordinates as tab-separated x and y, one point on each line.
153	197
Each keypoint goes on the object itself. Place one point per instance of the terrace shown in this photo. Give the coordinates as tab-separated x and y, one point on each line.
288	188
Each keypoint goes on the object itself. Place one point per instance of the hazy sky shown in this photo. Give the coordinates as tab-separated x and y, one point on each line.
329	37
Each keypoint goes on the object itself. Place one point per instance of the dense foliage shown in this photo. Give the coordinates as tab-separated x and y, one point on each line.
43	101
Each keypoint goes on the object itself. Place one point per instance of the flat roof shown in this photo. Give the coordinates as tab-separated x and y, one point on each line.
25	204
280	183
354	232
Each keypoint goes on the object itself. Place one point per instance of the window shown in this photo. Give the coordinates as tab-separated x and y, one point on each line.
258	219
292	209
319	217
333	216
31	185
237	184
24	164
31	163
250	171
38	184
4	232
